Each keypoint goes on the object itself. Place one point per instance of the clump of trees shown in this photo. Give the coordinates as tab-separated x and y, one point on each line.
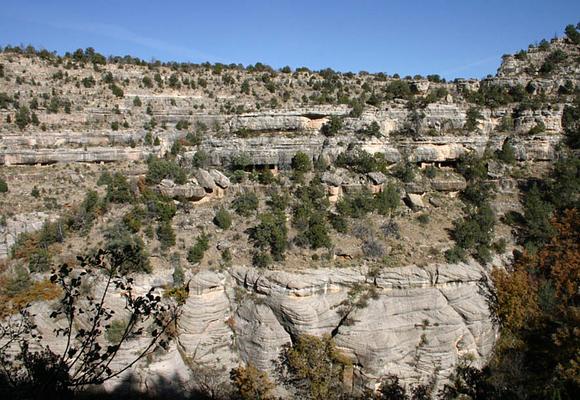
159	169
473	234
362	162
314	367
270	238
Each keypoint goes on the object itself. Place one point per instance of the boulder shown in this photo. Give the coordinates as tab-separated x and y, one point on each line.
220	179
188	191
448	182
414	201
418	186
377	178
435	202
167	183
205	179
332	179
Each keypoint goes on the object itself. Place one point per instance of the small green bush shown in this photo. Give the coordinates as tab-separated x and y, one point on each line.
261	259
507	154
117	91
423	219
388	200
197	251
245	204
301	162
166	235
119	190
35	192
222	219
3	186
39	261
332	127
119	239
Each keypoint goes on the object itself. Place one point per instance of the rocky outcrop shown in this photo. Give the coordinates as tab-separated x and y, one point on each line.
17	225
188	190
421	321
64	155
448	181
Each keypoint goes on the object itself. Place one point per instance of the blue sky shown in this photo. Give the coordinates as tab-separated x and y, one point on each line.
453	38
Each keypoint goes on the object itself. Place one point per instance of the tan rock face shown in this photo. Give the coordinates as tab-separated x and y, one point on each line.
419	324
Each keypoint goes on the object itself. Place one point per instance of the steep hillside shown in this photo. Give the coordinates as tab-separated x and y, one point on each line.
367	207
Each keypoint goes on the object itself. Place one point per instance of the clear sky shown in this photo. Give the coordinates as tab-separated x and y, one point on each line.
453	38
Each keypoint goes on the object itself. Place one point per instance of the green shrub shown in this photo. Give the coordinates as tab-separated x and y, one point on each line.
240	162
245	204
133	220
200	159
266	177
270	234
88	82
182	125
3	186
387	201
40	261
22	117
178	273
507	154
158	169
119	190
119	239
423	219
476	229
332	127
197	251
357	204
472	116
222	218
554	58
362	162
455	254
478	193
537	129
317	232
160	208
472	167
278	201
572	34
104	179
301	162
166	235
315	366
117	91
261	259
339	223
371	130
35	192
537	214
